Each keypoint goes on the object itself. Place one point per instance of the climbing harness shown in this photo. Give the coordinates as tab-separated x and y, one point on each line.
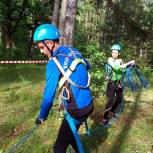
22	140
66	75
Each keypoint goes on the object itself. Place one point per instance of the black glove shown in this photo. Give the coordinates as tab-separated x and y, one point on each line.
38	121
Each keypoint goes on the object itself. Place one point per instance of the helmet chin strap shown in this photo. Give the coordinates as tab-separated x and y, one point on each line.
50	50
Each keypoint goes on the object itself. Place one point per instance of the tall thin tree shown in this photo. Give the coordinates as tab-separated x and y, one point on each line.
62	19
55	12
70	22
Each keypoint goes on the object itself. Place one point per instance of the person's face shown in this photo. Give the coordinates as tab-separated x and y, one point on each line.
115	54
44	50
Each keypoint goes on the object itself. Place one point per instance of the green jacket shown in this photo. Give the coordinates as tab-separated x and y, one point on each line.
116	68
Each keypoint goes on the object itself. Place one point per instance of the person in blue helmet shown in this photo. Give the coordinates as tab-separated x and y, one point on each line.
66	71
115	69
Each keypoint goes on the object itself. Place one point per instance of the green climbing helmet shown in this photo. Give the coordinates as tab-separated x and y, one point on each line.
116	47
46	32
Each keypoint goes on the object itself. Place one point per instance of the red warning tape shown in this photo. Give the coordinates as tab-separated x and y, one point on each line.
24	62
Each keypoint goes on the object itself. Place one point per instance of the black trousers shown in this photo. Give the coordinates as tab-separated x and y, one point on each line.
115	95
65	136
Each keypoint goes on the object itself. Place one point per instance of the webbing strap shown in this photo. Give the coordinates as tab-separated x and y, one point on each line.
87	129
75	132
70	70
68	73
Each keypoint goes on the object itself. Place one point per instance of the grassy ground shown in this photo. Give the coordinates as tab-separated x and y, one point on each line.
21	89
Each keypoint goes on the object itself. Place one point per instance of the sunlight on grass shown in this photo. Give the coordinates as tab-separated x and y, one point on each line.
21	92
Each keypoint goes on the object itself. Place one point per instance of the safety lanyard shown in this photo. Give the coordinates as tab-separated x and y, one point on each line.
72	125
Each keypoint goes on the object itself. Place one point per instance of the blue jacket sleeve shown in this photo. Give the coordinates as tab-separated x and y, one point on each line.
52	77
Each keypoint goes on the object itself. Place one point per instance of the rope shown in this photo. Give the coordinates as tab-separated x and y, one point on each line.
24	62
22	140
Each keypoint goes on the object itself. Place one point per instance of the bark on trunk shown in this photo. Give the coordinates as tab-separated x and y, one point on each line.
70	22
9	51
62	19
55	13
29	52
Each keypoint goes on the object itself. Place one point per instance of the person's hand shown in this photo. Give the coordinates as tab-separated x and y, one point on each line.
132	62
38	121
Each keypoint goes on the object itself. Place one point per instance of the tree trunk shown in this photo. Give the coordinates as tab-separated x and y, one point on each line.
1	41
55	13
29	52
3	37
70	22
9	50
0	34
86	21
143	53
62	19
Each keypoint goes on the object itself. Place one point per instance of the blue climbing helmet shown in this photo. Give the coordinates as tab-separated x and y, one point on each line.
116	47
46	32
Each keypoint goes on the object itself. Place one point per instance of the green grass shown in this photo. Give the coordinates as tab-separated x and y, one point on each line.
21	89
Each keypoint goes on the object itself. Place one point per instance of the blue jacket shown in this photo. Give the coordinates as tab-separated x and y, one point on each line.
82	97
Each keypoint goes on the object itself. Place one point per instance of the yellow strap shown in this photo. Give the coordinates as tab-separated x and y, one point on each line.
69	72
75	63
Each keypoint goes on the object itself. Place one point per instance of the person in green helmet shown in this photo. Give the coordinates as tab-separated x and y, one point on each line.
114	86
